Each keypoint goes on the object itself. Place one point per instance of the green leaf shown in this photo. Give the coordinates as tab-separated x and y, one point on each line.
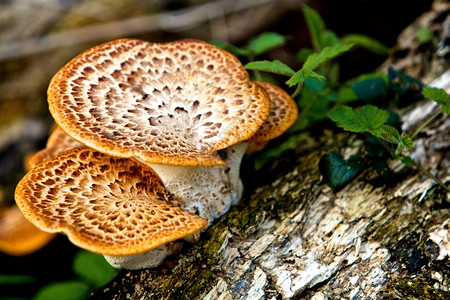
16	279
446	109
301	75
424	35
366	42
67	290
315	85
368	118
373	116
316	59
388	133
408	161
275	66
265	42
407	142
93	268
337	171
436	94
236	51
316	26
370	90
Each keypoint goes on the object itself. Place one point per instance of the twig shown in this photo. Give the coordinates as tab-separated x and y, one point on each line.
168	21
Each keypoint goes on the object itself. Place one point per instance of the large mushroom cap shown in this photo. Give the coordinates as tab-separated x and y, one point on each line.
174	103
108	205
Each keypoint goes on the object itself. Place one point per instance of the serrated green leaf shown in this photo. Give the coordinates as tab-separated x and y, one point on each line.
93	268
236	51
366	42
265	42
370	90
388	133
316	27
336	170
373	116
301	75
275	66
67	290
347	118
436	94
407	142
368	118
316	59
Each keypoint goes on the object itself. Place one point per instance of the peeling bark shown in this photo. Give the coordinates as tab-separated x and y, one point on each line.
296	238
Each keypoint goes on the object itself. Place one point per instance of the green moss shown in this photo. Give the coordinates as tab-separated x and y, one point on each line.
408	289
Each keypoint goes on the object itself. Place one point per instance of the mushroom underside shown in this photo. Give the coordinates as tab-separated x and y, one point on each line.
107	205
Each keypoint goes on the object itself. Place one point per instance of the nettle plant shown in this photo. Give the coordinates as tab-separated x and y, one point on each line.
325	97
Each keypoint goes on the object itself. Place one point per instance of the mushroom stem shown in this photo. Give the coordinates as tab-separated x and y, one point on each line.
206	191
149	259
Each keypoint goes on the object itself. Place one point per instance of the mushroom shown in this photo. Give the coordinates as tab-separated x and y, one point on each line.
18	236
58	142
107	205
184	111
283	115
164	103
171	106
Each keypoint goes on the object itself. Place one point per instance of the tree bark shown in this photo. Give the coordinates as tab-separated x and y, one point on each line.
297	238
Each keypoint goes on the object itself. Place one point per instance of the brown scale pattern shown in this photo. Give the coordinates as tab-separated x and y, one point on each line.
283	114
174	103
107	205
58	142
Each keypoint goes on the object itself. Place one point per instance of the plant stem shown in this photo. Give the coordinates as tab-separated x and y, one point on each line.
257	75
297	90
425	172
425	124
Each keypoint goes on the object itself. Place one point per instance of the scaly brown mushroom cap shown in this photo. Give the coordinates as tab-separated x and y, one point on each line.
58	142
107	205
283	114
172	103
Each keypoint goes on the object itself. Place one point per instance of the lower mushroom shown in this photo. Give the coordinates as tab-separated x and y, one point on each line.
106	205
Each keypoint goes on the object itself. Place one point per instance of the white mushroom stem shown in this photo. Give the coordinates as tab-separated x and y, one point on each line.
206	191
149	259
